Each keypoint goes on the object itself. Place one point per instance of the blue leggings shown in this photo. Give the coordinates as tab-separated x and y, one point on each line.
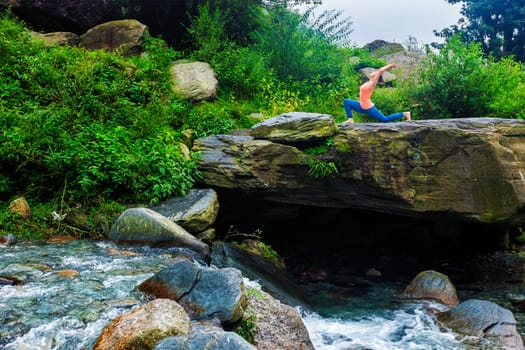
352	105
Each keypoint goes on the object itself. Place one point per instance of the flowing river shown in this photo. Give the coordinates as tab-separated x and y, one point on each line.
70	291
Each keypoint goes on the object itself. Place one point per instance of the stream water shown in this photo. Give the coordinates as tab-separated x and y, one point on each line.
70	291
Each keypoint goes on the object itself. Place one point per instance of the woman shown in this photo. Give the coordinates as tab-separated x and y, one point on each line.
365	104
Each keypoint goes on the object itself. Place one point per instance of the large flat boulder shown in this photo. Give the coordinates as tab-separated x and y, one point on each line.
295	127
472	169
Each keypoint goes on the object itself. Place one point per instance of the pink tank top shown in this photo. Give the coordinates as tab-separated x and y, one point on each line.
365	96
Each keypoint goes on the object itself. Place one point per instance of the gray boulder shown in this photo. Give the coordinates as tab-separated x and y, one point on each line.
408	62
386	78
194	81
485	320
380	48
277	281
142	225
432	285
126	35
144	326
203	291
195	212
470	169
295	127
279	326
211	340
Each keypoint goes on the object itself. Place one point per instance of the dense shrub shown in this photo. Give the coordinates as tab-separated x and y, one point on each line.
459	81
217	118
98	122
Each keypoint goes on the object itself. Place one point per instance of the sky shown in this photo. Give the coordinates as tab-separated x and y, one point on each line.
395	20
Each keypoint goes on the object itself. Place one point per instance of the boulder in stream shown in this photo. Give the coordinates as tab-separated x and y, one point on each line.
142	225
432	285
279	326
144	326
202	291
211	340
485	320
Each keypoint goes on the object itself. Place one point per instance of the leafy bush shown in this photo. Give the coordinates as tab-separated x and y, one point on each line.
210	118
460	82
241	71
98	121
207	32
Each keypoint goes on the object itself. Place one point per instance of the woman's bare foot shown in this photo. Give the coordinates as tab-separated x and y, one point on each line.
407	116
349	121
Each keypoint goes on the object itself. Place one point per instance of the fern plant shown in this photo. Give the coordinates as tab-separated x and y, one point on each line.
321	169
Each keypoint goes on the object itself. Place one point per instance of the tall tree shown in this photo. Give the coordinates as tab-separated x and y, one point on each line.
498	25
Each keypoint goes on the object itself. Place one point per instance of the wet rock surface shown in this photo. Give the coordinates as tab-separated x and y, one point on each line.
144	326
486	320
203	292
432	285
145	226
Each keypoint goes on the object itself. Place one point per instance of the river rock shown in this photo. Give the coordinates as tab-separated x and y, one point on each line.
144	326
126	35
195	212
194	81
484	319
202	291
432	285
142	225
275	280
9	239
21	207
279	326
470	169
9	281
211	340
295	127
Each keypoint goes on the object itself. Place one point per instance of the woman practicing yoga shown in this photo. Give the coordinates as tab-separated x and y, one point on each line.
365	104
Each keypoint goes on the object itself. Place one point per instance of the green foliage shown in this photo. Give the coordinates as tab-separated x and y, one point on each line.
207	32
242	71
460	82
364	58
329	25
320	149
321	169
296	52
497	26
210	118
96	120
247	327
38	226
251	242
